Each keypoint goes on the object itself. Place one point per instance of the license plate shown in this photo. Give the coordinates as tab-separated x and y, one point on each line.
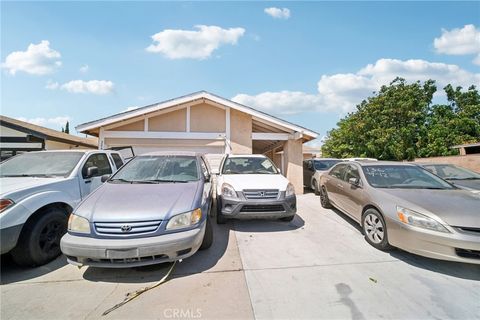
122	254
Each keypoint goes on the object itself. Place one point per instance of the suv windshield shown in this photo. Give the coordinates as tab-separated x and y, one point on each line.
158	169
40	164
403	177
324	164
451	172
249	165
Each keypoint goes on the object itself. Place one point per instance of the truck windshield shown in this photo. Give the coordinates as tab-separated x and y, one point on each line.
249	165
40	164
158	169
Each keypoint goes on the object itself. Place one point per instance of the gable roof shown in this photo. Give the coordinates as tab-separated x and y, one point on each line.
85	127
47	133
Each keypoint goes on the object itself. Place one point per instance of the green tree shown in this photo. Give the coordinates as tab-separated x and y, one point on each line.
67	127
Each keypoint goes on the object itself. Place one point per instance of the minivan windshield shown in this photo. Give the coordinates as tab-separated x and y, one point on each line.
324	164
403	177
249	165
158	169
451	172
40	164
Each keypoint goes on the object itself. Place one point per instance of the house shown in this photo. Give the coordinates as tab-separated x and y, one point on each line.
206	123
469	148
19	136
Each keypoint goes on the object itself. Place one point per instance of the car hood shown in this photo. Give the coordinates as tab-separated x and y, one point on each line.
458	208
256	181
467	184
10	185
114	202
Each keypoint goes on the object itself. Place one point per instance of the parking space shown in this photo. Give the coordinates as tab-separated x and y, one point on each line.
317	266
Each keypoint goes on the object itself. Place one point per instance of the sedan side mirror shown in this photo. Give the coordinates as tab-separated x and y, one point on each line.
105	177
90	172
354	181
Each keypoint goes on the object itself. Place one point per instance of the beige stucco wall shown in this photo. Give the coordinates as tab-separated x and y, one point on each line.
174	121
207	118
277	159
134	126
293	163
240	132
471	161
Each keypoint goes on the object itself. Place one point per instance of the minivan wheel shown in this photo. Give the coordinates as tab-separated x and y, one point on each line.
208	237
324	201
375	229
39	241
315	187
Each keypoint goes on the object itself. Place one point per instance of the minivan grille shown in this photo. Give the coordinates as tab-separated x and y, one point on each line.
126	228
260	194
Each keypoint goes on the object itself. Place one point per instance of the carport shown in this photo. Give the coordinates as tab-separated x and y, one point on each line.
206	123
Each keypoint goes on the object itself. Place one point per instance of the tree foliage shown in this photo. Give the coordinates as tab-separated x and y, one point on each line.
400	123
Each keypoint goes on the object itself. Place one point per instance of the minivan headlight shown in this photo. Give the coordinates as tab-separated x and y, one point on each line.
416	219
290	190
78	224
184	220
5	204
228	191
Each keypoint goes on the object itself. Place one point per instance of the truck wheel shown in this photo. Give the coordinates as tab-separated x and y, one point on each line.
208	237
39	241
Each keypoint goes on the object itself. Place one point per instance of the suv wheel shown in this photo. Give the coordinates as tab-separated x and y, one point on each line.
375	229
39	241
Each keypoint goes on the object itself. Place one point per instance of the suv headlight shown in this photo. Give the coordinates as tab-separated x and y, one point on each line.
228	191
290	190
416	219
184	220
5	204
78	224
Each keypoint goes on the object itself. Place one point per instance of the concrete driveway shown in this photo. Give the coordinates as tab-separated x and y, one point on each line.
317	266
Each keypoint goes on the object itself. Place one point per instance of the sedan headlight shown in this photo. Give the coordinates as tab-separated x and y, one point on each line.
228	191
416	219
185	219
290	190
5	204
78	224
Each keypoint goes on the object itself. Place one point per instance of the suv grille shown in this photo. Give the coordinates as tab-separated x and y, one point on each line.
126	228
263	208
261	194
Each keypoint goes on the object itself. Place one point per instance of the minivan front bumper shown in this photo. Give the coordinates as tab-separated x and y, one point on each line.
124	253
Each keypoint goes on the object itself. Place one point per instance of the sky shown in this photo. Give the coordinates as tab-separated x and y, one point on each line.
306	62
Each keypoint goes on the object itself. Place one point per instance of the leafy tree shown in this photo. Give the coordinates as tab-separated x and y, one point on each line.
67	127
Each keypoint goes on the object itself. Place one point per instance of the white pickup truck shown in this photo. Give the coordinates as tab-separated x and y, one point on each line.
38	191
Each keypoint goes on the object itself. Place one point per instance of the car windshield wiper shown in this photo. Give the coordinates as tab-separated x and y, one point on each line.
170	181
468	178
29	175
120	180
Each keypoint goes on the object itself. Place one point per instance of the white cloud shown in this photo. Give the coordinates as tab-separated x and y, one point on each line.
84	68
458	41
278	13
193	44
52	85
55	123
38	59
343	91
99	87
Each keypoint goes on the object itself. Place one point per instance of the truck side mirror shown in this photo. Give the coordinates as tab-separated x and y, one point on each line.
90	172
105	177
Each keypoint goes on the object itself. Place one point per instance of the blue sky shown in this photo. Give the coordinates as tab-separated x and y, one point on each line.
309	66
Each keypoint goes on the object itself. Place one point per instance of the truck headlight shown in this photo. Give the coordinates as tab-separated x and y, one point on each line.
416	219
290	190
228	191
78	224
5	204
184	219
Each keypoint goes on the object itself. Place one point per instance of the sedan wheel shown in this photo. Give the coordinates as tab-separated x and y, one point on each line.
324	201
375	229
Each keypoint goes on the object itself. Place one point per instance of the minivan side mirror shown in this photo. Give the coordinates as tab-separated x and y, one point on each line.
90	172
105	177
354	181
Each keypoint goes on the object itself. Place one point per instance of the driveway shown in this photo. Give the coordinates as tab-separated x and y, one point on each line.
317	266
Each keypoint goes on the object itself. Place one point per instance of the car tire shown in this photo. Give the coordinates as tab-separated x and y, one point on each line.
287	219
315	187
220	217
375	229
208	236
39	241
324	201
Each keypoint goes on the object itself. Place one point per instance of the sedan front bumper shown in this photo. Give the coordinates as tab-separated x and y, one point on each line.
133	252
460	246
257	209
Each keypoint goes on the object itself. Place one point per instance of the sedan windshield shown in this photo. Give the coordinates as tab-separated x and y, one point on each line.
158	169
324	164
40	164
403	177
451	172
249	165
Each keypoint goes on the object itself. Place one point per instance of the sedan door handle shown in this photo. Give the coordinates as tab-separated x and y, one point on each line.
339	185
